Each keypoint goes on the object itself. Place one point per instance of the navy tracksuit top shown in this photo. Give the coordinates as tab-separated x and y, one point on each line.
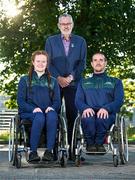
38	95
100	91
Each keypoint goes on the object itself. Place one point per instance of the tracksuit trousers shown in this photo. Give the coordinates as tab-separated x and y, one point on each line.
95	129
49	123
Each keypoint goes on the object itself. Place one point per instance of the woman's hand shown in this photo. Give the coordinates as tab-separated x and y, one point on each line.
49	109
37	110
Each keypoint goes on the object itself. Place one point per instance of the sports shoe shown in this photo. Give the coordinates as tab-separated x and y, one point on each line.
100	148
48	156
91	148
33	156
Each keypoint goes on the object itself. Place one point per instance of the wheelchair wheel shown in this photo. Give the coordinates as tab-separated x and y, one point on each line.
77	141
123	141
63	160
113	143
62	142
18	158
11	140
17	154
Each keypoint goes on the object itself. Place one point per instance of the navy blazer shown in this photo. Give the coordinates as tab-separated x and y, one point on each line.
62	65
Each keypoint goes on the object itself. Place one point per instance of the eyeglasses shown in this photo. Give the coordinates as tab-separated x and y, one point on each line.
65	24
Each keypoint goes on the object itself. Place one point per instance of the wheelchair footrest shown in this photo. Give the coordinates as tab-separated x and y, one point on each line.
95	153
43	162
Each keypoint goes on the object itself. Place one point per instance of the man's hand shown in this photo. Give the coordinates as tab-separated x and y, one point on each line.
63	81
70	78
102	113
49	109
88	112
37	110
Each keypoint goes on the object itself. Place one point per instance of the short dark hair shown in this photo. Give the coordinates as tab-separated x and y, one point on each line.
99	53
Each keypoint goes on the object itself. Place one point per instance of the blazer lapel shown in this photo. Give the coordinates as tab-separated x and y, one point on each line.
72	45
60	44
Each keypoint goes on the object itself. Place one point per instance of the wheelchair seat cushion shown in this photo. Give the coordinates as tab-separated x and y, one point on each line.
26	122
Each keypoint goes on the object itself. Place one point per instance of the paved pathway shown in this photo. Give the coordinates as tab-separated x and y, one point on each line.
94	168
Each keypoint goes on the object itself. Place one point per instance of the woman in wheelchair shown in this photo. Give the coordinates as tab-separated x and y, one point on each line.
38	100
98	99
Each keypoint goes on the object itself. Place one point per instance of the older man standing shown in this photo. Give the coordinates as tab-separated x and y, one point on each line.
67	54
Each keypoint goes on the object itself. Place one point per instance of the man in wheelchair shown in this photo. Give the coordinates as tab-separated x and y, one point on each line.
38	100
98	99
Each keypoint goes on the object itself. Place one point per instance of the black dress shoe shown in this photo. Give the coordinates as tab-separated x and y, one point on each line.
33	157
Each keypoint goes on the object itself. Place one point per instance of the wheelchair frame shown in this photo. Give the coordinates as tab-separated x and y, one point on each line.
18	141
117	142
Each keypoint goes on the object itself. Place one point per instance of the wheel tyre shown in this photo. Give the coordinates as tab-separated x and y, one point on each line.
76	141
11	141
13	162
77	161
115	161
122	158
63	161
123	143
18	161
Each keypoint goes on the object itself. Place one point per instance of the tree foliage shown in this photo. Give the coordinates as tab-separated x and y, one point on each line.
107	25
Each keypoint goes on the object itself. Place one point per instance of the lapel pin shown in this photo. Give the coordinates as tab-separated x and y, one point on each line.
72	45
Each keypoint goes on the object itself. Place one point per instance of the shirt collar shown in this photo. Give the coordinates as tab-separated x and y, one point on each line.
99	75
63	38
36	75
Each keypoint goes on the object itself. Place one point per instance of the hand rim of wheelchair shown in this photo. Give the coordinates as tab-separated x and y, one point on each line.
17	151
11	141
76	145
63	143
123	140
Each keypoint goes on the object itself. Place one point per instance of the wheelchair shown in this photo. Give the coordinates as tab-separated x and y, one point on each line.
19	141
116	140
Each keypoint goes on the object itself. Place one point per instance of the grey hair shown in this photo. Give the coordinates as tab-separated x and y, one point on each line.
65	15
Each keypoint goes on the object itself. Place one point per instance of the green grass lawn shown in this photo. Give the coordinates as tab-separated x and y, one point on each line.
4	136
131	134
